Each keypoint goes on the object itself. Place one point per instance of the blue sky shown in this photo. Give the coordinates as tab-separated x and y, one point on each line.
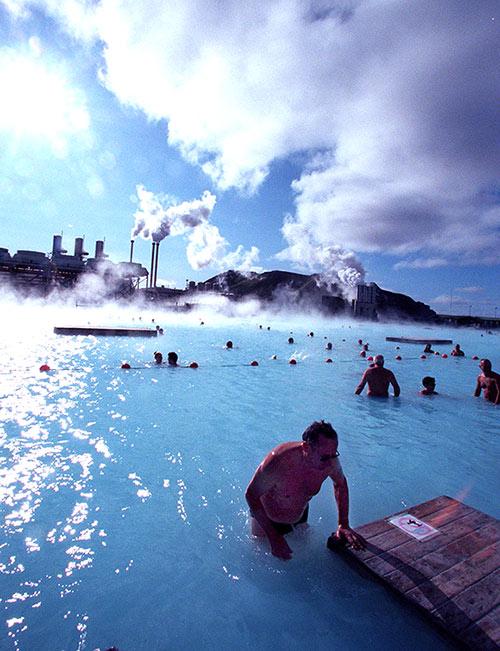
352	138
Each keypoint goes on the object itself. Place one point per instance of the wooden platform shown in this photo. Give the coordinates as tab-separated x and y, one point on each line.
410	340
454	575
105	332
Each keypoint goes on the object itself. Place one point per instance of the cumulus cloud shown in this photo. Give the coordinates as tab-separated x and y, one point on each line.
159	215
393	105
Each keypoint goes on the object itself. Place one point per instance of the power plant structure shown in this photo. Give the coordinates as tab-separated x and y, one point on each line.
35	272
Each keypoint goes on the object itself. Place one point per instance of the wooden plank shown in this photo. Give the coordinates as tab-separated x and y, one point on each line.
453	576
411	340
104	332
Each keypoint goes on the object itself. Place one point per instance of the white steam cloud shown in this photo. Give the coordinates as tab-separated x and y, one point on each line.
157	217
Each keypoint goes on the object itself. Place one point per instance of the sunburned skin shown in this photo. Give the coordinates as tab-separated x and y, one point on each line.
286	480
378	380
488	382
293	480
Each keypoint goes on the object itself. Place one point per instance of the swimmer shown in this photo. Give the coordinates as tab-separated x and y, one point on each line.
172	358
365	347
229	344
488	382
158	357
290	475
291	340
429	384
457	352
378	379
329	346
428	349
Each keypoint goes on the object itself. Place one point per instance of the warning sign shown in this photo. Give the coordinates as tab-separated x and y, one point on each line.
413	526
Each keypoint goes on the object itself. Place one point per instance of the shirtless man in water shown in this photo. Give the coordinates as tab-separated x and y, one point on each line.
378	379
489	382
285	481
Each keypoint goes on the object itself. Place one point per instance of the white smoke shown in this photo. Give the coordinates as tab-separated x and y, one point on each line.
338	267
158	216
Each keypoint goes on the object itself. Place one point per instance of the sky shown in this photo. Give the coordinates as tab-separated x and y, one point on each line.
358	139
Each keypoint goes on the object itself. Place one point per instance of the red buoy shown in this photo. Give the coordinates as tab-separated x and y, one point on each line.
254	363
193	365
444	355
362	353
328	360
423	356
475	357
370	358
125	365
44	367
292	361
398	357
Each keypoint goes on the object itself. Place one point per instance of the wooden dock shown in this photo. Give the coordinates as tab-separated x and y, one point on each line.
452	572
411	340
105	332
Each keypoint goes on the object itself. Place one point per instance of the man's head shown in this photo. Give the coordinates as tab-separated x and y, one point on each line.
428	382
320	444
172	358
158	357
485	365
379	360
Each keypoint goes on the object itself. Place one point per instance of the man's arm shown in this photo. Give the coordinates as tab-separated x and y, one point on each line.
477	391
258	486
497	400
395	385
344	532
361	385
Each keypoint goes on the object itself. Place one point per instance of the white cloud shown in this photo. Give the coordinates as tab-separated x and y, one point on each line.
399	98
421	263
470	290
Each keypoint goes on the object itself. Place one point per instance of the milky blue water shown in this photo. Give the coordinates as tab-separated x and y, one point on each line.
123	518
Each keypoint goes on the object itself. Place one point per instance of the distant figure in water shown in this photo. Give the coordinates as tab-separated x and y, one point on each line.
329	345
172	358
429	384
365	347
291	340
289	476
428	349
158	358
229	344
457	352
378	379
488	382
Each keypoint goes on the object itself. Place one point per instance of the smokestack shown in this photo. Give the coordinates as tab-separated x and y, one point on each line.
99	249
79	252
156	263
131	249
151	274
57	245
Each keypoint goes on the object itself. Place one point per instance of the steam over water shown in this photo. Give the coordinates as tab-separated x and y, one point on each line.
123	518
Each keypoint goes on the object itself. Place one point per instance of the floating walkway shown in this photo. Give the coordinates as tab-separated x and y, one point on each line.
105	332
444	557
409	340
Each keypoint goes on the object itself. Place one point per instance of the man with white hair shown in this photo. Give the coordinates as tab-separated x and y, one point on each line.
378	379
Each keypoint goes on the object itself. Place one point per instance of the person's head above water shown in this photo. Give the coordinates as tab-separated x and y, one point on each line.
379	360
428	381
318	428
229	344
485	365
158	357
172	358
290	340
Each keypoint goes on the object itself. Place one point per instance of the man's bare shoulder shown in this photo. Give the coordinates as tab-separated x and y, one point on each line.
282	451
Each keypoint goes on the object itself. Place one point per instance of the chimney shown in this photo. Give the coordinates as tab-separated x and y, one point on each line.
131	249
151	275
156	263
99	250
79	252
57	245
